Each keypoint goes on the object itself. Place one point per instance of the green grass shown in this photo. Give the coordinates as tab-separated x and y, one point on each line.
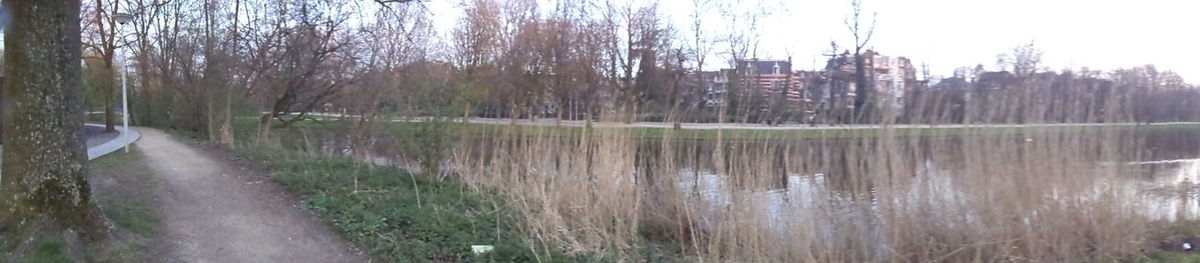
49	251
1173	257
119	253
134	216
398	216
1162	231
187	134
137	216
115	160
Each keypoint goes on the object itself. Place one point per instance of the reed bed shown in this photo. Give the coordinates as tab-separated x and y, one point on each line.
1038	195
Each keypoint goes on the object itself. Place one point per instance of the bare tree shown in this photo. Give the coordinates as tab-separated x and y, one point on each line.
401	35
1024	60
520	63
475	50
742	40
220	50
101	44
562	49
302	57
592	63
554	49
619	43
702	44
863	83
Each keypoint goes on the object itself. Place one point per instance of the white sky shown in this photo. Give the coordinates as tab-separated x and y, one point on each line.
946	34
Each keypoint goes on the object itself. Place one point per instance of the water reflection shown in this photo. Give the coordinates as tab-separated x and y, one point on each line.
1165	166
1168	187
963	183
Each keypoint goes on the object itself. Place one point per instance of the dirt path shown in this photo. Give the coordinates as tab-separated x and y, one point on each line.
214	212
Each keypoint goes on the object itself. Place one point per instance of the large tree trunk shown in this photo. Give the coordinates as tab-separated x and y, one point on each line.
3	107
210	108
226	132
44	156
264	128
110	80
110	116
863	100
466	112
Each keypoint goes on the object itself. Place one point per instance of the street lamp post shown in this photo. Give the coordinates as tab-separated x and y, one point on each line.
123	18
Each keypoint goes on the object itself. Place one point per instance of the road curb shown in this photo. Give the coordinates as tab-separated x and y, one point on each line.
115	144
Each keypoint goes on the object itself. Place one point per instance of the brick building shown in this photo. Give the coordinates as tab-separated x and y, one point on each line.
771	77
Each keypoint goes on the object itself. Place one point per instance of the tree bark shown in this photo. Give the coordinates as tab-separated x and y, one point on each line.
110	115
44	156
862	99
226	131
264	128
466	112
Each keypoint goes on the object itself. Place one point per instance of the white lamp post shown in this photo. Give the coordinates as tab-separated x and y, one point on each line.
123	18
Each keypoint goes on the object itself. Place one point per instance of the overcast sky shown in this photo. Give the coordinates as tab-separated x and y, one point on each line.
946	34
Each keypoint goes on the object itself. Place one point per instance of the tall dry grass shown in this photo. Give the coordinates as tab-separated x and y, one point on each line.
979	195
1039	195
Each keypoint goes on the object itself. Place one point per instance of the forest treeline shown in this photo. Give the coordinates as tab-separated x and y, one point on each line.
197	65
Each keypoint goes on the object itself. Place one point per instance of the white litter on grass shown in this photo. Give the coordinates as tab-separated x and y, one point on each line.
481	249
1187	246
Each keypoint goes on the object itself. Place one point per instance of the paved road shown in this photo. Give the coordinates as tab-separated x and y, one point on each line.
215	212
100	143
97	136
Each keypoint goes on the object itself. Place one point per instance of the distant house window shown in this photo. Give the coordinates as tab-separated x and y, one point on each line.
776	69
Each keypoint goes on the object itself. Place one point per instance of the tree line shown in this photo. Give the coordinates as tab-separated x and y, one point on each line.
197	65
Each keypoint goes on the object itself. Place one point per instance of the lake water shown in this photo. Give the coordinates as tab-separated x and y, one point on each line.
827	189
1162	165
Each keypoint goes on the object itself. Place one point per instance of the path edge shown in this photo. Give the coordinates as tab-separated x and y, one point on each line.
122	140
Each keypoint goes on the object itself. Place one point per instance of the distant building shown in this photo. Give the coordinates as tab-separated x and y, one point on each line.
890	76
715	84
771	77
830	91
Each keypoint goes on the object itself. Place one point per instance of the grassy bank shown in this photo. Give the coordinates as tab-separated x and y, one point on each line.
1169	234
398	216
476	130
580	191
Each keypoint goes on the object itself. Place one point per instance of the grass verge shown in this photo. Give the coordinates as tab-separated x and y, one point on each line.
399	216
120	183
123	183
49	250
476	130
